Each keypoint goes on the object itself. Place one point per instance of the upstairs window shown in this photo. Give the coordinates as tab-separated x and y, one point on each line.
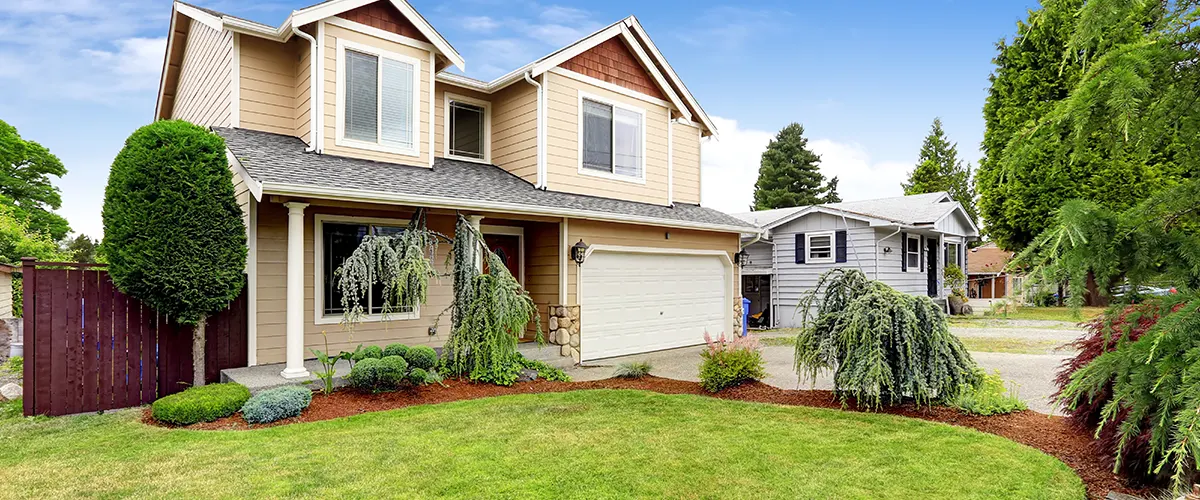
378	105
466	129
612	139
820	247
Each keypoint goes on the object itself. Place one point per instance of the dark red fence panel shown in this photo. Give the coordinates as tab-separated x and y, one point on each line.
90	347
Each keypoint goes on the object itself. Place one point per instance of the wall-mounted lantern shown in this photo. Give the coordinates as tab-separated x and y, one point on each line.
741	258
579	252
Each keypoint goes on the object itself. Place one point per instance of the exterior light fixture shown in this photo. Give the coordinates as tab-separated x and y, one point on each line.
578	252
741	258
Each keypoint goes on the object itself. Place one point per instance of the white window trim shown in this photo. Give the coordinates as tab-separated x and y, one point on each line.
912	268
808	256
579	145
340	104
487	127
319	317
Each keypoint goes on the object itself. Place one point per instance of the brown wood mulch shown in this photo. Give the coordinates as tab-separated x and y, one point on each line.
1050	434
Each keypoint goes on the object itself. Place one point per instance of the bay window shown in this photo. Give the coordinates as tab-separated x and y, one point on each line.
377	103
612	139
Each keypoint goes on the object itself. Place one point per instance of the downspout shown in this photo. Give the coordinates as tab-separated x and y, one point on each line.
312	102
898	229
757	237
541	130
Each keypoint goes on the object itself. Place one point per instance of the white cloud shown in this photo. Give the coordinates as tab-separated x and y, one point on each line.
482	24
729	165
518	34
728	28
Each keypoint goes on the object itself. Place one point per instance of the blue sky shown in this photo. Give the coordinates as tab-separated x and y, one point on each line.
865	78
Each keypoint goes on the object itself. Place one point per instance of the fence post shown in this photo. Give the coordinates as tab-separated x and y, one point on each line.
28	280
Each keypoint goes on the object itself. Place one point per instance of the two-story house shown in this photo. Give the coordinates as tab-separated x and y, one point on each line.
342	121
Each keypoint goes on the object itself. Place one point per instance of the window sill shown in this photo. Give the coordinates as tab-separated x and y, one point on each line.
613	177
370	318
485	161
820	261
352	143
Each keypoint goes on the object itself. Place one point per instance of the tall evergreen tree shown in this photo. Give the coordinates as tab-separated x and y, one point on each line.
939	169
789	174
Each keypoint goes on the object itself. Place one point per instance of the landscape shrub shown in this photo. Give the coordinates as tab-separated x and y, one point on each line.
395	350
730	362
200	404
637	369
884	346
417	376
276	404
393	372
422	356
368	352
365	374
544	371
1134	441
988	396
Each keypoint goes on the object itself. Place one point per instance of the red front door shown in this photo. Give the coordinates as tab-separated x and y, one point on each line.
508	248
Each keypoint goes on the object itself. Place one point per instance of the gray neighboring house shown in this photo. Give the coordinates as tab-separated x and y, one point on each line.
904	241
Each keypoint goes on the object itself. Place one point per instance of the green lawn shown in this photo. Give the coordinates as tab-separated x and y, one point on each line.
1011	345
1051	313
582	444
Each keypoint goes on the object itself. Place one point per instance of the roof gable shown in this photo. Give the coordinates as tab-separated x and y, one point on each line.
612	61
383	15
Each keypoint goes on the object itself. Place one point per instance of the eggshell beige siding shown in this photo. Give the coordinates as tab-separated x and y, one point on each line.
562	138
268	85
630	235
332	34
439	107
686	148
514	130
205	88
302	90
6	295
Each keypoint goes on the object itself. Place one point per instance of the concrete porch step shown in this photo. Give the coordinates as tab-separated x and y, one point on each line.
549	354
262	377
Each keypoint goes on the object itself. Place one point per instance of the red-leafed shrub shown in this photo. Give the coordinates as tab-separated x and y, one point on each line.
1116	327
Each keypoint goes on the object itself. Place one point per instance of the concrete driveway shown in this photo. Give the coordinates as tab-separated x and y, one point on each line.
1024	352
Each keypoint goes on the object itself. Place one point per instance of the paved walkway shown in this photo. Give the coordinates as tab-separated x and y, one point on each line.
1032	373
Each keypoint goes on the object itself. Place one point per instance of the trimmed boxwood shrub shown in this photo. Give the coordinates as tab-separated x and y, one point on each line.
422	356
376	375
276	404
368	352
200	404
393	371
417	376
395	350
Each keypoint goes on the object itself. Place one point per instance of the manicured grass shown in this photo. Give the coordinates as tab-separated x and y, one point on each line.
1011	345
1051	313
789	340
582	444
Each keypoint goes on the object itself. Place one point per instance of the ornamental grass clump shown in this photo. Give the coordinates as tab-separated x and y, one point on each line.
730	362
884	347
200	404
276	404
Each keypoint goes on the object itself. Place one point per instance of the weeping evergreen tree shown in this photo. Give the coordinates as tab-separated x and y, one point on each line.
490	309
884	346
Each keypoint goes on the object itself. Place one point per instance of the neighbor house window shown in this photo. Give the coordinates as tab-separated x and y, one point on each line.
338	241
820	247
612	139
913	253
379	106
466	129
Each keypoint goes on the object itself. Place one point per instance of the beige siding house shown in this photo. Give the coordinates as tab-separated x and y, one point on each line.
595	145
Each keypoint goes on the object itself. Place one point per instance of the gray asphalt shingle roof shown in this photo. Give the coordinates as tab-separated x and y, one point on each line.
281	159
912	209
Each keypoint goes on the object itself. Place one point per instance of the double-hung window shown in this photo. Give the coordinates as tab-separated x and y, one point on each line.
913	253
820	247
467	129
612	139
377	106
339	239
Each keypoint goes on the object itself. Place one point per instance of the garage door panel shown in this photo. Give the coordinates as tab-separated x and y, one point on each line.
635	302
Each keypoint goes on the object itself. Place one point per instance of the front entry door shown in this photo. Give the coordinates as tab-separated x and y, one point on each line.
931	265
508	248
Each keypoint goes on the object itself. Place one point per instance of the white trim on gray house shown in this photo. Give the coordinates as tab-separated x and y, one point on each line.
869	235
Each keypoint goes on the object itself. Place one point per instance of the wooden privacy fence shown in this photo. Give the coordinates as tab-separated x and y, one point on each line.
89	347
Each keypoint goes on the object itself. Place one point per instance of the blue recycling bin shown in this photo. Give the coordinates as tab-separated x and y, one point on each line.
745	316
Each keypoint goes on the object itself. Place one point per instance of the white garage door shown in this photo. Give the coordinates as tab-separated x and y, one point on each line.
640	302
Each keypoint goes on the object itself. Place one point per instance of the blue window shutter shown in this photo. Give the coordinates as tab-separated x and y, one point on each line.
799	248
904	252
841	247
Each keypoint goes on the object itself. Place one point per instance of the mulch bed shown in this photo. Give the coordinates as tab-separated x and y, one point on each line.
1050	434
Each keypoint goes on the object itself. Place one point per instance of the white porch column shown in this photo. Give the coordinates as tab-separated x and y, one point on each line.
475	221
295	292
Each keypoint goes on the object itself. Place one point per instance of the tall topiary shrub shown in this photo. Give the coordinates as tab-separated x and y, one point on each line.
173	231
